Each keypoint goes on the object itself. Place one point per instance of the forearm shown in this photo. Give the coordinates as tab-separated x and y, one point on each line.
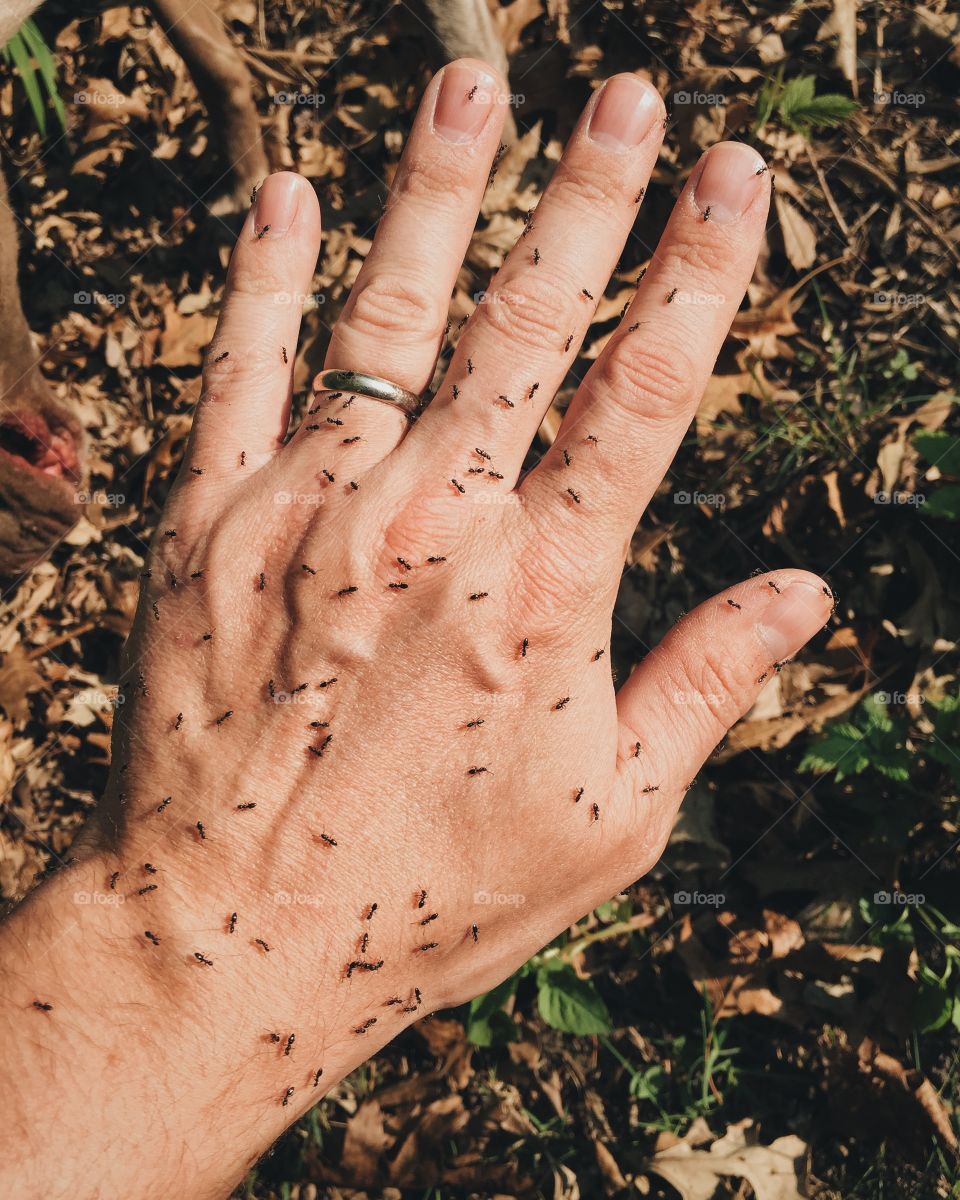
148	1072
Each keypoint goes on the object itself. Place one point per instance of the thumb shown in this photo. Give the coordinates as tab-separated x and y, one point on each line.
705	674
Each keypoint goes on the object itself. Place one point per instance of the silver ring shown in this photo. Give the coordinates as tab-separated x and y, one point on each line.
370	385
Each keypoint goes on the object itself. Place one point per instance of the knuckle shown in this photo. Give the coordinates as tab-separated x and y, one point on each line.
253	361
392	304
653	383
533	313
430	180
705	257
713	685
587	194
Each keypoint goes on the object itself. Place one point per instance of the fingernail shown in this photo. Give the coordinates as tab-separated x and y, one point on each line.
276	205
466	97
791	618
728	181
624	112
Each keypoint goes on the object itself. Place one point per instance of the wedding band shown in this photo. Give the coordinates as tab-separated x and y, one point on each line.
369	385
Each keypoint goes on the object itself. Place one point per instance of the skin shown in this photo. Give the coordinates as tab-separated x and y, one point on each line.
161	1066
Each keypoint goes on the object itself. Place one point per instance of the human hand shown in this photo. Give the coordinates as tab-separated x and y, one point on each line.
370	668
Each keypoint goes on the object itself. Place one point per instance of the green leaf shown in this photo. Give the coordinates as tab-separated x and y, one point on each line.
48	68
28	77
802	111
487	1023
941	449
569	1003
935	1003
944	503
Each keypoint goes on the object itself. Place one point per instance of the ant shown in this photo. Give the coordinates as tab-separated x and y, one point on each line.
651	787
734	604
327	682
150	868
372	909
671	295
475	930
397	587
275	1037
316	1076
113	881
225	716
566	458
495	474
584	292
508	403
568	343
536	257
202	959
262	232
334	421
475	723
595	809
427	920
597	655
370	1021
524	646
459	486
423	899
196	574
478	595
364	943
636	749
289	1045
197	470
478	770
163	803
156	610
286	1096
573	495
151	937
348	591
561	703
402	562
325	837
248	805
437	558
263	945
326	474
707	211
533	391
578	796
42	1006
771	584
639	196
207	637
221	357
761	170
472	92
482	453
232	923
469	366
355	485
309	570
456	392
283	351
350	440
360	965
634	327
150	887
425	947
201	831
641	275
262	581
761	678
243	458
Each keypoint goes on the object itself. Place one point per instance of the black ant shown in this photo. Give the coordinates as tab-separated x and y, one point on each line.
156	610
482	453
207	637
224	716
478	595
459	486
221	357
196	470
566	458
325	837
289	1045
641	275
42	1006
348	591
271	688
475	723
423	899
326	474
427	920
202	832
597	655
425	947
561	703
275	1037
263	945
327	682
574	496
761	170
202	959
371	910
706	212
316	1076
163	803
508	403
437	558
475	930
584	292
286	1096
761	678
370	1021
244	807
639	196
334	421
243	458
568	343
351	440
151	937
524	646
472	92
360	965
578	795
533	391
595	809
734	604
671	295
469	366
262	581
196	574
309	570
456	392
771	584
150	887
150	868
113	881
262	231
402	562
634	327
478	770
495	474
399	587
283	351
637	748
536	257
232	923
651	787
